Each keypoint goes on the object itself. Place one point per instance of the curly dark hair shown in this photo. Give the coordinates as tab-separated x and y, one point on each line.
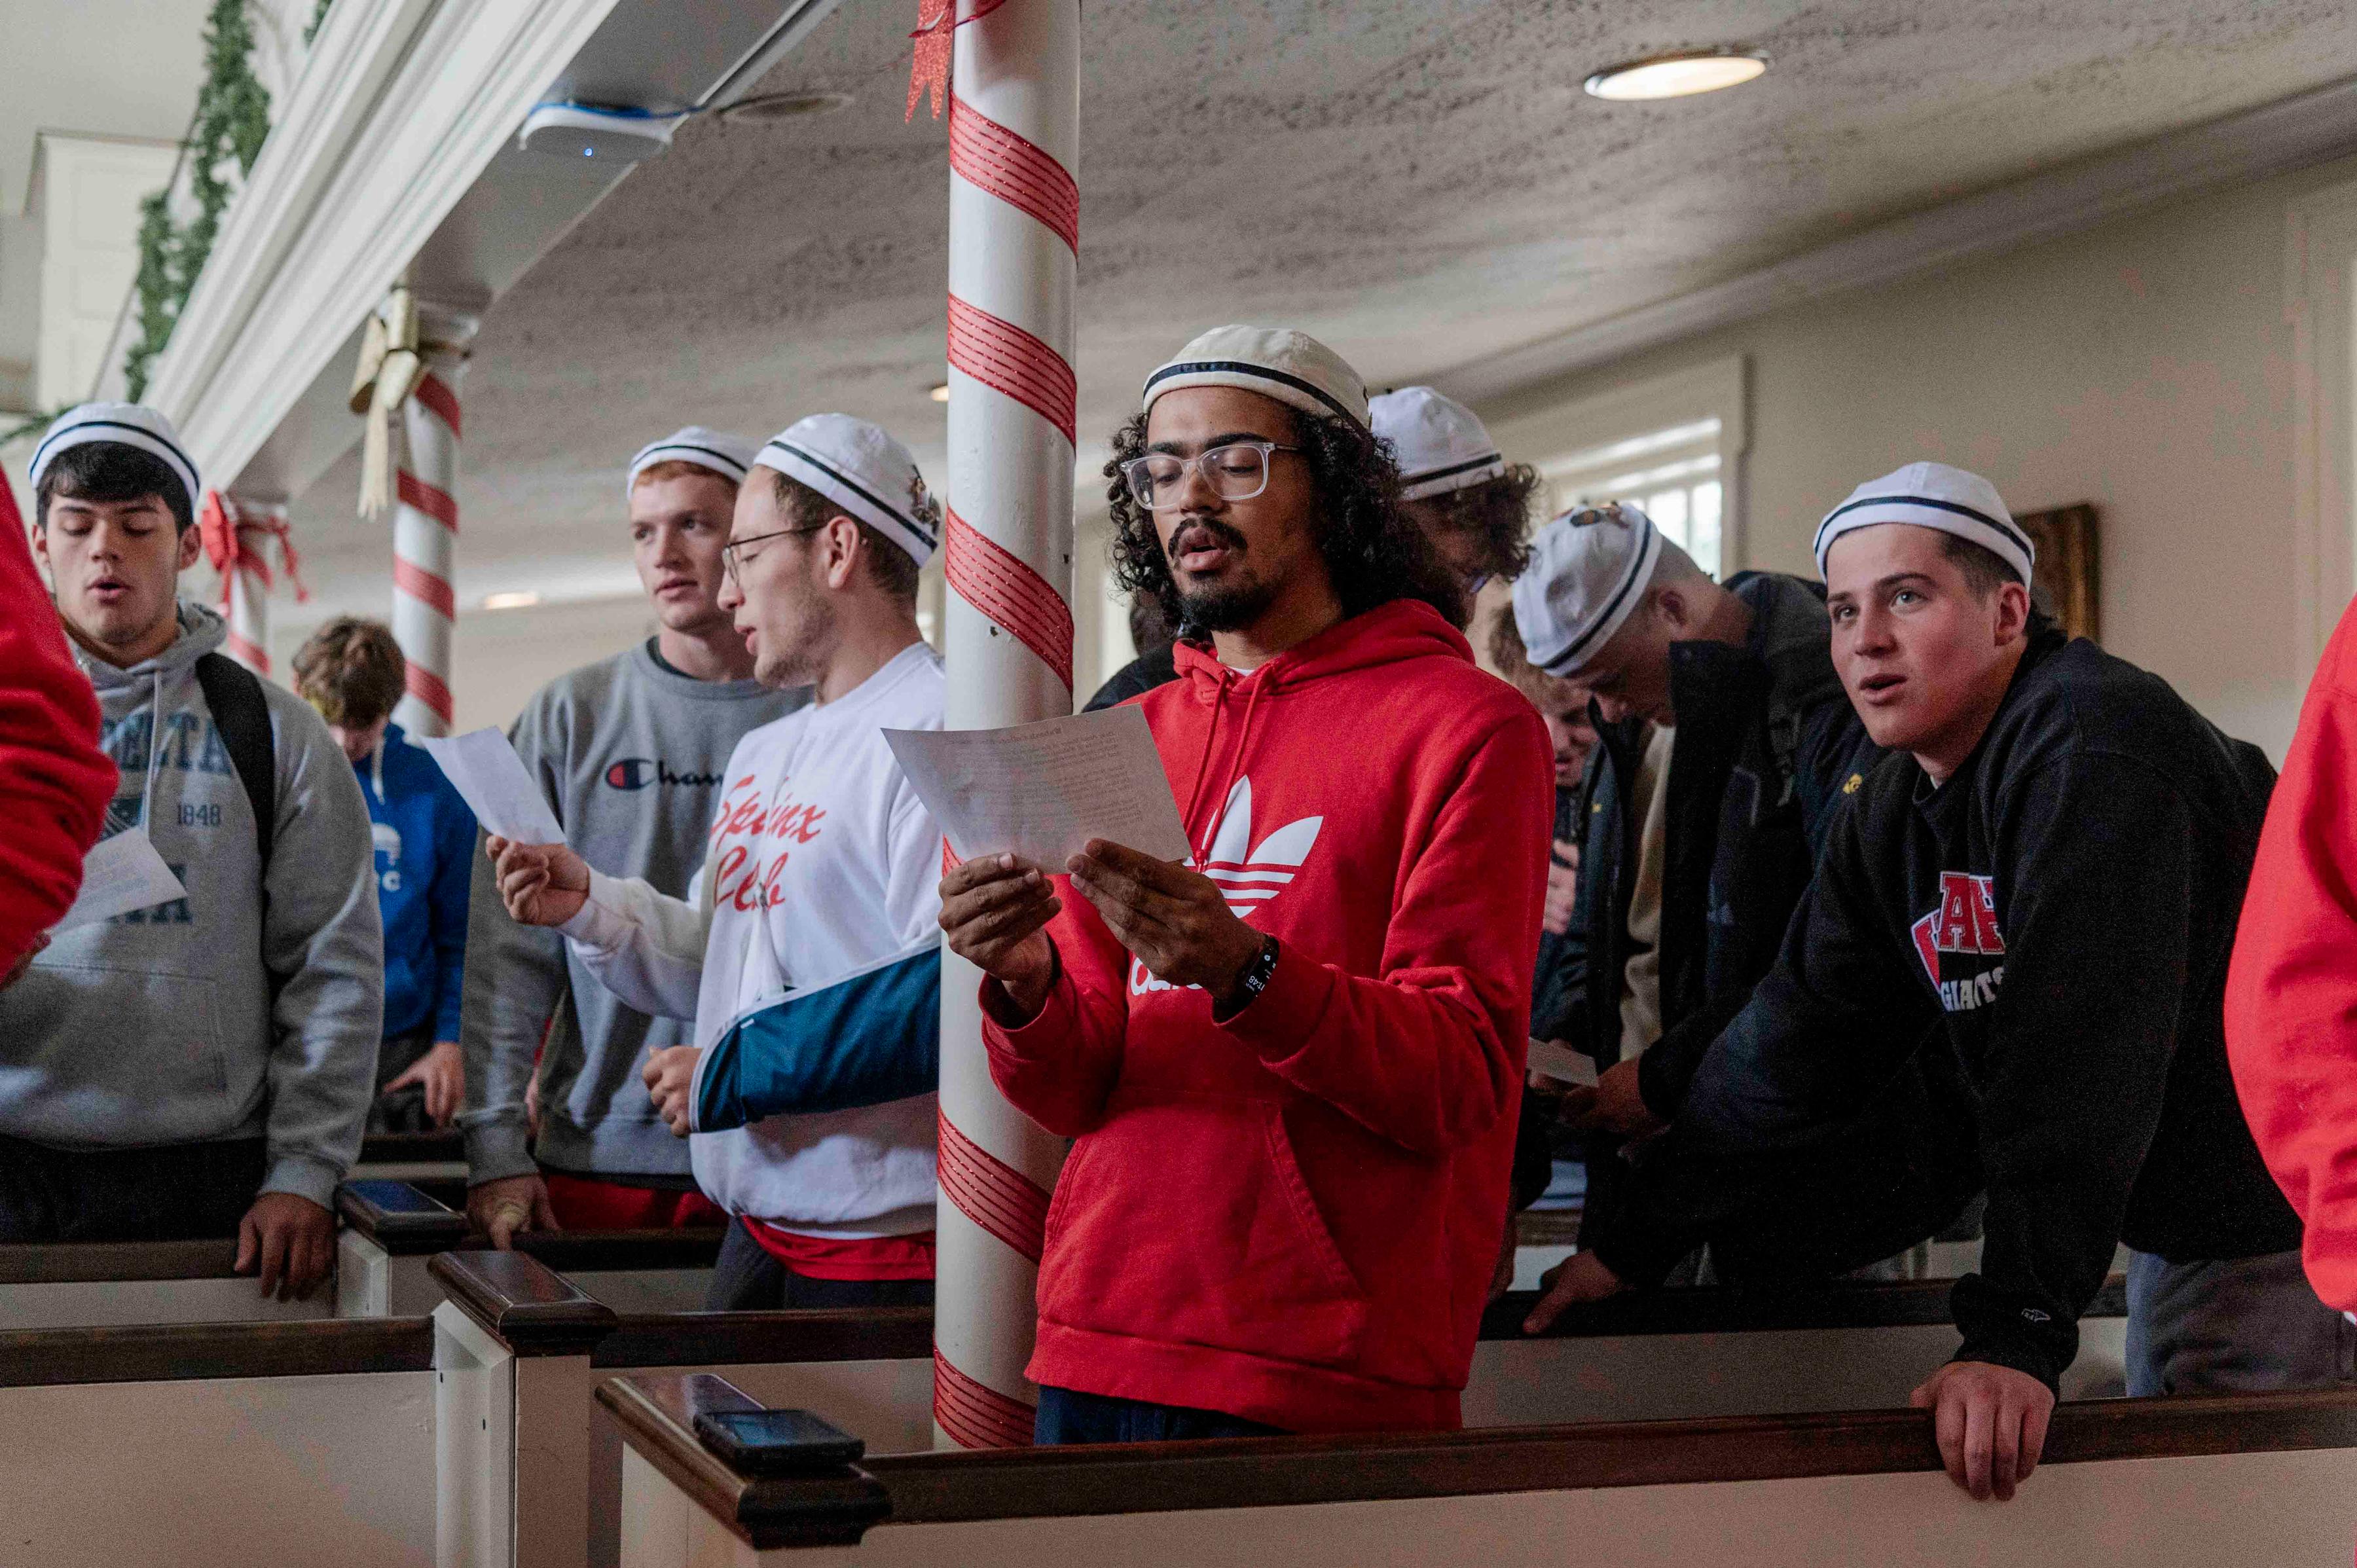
1373	553
1496	513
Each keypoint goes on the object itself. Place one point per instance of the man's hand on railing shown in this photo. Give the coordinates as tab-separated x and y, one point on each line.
1990	1423
1578	1280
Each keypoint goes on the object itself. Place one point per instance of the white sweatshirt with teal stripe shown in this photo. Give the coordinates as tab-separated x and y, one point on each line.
809	958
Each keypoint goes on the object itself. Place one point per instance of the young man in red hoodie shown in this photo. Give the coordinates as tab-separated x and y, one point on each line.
55	782
1291	1067
2291	991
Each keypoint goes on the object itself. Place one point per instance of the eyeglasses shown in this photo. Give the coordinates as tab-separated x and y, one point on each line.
728	551
1236	471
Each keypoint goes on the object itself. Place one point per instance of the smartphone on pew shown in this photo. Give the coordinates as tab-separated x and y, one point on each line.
778	1441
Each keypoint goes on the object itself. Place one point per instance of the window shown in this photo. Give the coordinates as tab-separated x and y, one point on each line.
1672	445
1672	474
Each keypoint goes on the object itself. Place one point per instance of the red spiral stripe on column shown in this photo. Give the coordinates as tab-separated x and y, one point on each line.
1019	172
996	582
977	1415
992	1193
409	577
435	393
246	653
1004	358
427	688
435	504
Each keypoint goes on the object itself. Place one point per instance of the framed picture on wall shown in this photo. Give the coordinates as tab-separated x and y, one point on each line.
2067	578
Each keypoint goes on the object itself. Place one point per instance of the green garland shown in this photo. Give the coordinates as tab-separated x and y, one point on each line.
232	121
318	15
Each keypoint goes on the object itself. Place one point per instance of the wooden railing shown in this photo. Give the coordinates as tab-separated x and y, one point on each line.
656	1416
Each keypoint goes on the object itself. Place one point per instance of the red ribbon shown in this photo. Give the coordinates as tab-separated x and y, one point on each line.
223	526
929	72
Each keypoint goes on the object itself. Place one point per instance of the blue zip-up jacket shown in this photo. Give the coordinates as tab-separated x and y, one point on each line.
425	843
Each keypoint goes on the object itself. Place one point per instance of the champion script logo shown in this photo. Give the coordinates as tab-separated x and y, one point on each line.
1966	922
1251	874
638	772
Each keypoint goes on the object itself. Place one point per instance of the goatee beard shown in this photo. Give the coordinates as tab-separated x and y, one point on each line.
1226	608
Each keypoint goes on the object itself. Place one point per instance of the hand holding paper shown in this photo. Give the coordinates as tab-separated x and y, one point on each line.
491	778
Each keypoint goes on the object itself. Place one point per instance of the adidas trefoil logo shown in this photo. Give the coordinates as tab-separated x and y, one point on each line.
1249	874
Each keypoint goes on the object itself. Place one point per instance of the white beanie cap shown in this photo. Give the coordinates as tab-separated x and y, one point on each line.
726	456
1441	444
126	424
860	467
1934	496
1278	362
1589	571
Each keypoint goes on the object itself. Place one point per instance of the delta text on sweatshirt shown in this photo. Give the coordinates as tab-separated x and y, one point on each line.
159	1026
54	780
810	959
2063	905
630	753
424	839
2291	995
1291	1214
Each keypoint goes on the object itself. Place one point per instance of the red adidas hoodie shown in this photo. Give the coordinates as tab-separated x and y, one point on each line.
2291	991
1292	1217
54	781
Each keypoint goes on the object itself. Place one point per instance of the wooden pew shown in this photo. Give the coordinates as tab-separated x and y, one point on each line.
2142	1484
512	1323
230	1443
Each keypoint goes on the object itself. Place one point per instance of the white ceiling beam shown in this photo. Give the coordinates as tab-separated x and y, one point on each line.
2296	132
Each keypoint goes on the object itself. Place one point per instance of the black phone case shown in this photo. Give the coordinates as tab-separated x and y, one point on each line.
778	1441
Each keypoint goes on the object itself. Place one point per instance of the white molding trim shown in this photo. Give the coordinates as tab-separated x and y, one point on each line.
400	106
2320	307
1717	389
2296	132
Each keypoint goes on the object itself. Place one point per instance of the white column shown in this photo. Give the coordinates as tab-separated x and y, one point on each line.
247	581
425	523
1013	140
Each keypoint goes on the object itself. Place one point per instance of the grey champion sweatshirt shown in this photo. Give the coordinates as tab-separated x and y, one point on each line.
630	753
158	1027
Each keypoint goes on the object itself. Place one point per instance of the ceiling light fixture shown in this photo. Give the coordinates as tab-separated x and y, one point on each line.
521	601
1679	75
939	393
775	106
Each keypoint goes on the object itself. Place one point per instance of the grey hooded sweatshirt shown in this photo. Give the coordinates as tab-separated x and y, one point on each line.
630	753
158	1027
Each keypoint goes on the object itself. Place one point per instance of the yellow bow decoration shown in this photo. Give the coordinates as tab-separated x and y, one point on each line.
389	371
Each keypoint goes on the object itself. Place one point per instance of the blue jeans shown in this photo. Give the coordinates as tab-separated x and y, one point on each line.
2232	1326
1067	1415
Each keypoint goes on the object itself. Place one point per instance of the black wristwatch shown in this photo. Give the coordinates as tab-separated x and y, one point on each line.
1257	974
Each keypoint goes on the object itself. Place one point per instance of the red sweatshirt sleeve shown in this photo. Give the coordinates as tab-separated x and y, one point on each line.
54	781
2291	994
1060	1068
1429	1053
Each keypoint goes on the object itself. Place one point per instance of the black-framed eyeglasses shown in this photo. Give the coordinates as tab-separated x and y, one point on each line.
728	556
1236	471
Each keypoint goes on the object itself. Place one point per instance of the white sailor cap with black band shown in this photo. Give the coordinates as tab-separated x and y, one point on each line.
1588	570
1278	362
133	424
1935	495
861	468
726	455
1440	444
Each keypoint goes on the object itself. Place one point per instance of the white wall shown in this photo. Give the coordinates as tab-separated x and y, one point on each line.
2144	365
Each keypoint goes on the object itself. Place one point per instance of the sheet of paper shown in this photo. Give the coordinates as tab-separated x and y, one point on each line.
1043	790
120	874
492	780
1563	1064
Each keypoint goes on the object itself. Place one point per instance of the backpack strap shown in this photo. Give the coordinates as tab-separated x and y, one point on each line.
242	714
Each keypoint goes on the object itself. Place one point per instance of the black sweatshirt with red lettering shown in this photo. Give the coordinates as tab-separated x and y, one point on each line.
2065	905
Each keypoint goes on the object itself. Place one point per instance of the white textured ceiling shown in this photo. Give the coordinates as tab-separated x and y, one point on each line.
1421	182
